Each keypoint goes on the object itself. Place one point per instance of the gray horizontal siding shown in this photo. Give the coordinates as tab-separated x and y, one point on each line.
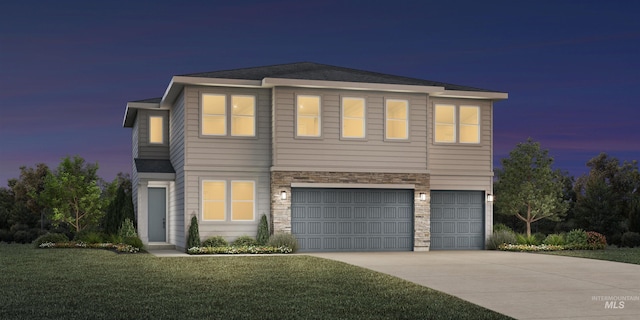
462	158
228	229
330	151
145	149
134	171
216	152
176	205
461	182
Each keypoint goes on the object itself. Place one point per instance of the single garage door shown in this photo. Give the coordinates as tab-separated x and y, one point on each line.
352	219
457	220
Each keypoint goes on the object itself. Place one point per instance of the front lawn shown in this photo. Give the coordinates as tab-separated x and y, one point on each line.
99	284
627	255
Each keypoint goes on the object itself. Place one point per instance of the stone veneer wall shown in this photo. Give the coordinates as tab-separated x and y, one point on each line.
282	180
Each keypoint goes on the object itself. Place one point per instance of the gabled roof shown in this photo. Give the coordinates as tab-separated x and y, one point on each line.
324	72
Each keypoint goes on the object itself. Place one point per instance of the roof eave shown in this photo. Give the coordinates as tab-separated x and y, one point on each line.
485	95
178	82
132	110
273	82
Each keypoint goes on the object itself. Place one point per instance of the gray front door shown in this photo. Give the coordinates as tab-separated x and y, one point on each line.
157	214
457	220
352	219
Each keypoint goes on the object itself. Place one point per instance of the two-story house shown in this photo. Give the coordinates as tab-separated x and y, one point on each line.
345	159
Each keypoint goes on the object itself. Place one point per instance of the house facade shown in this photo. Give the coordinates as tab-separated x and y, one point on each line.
344	159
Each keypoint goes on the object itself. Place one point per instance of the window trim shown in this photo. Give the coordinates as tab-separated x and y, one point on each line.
457	124
162	139
231	201
386	119
202	200
364	118
231	115
297	135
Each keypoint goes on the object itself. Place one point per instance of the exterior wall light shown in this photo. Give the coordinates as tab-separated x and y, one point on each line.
423	196
490	198
283	195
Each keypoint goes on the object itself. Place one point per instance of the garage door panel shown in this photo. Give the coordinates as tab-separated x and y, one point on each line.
457	220
353	219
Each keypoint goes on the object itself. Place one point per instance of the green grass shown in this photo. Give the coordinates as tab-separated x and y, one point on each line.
100	284
627	255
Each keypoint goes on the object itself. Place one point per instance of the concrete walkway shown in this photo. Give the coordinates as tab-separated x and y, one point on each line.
520	285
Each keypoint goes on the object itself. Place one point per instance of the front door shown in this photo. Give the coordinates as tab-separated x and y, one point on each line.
157	215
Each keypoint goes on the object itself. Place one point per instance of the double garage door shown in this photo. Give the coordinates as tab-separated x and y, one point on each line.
352	219
382	219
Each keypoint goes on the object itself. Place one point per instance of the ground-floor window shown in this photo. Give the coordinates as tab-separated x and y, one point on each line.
217	194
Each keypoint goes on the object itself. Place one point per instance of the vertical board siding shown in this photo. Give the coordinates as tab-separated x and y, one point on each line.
330	151
460	157
227	229
176	195
218	152
145	149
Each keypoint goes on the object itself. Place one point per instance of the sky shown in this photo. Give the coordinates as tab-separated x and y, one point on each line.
68	68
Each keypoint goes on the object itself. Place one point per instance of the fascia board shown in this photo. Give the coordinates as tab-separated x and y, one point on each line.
273	82
178	82
472	95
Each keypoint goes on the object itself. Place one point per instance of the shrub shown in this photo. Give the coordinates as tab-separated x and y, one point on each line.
263	231
283	240
531	240
596	240
193	238
501	227
216	241
6	236
554	240
22	236
89	237
501	237
127	229
576	238
50	237
114	238
245	241
134	242
630	239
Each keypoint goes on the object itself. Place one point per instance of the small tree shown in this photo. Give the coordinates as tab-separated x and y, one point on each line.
527	186
120	207
193	239
73	195
263	231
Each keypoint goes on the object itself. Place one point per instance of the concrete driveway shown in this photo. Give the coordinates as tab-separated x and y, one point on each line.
520	285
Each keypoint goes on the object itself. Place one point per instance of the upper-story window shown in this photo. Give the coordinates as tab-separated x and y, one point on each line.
215	111
243	110
156	129
308	119
457	124
396	119
353	118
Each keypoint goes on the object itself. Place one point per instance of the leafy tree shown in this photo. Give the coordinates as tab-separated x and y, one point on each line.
607	197
120	205
26	208
527	187
73	195
6	207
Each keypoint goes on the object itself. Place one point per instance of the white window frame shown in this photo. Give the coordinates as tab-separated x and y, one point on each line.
386	119
202	200
457	124
364	118
319	135
231	115
161	130
231	200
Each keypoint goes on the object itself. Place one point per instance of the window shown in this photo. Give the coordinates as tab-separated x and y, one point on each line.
242	200
214	114
308	116
156	130
213	200
215	110
457	124
353	118
243	109
397	119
